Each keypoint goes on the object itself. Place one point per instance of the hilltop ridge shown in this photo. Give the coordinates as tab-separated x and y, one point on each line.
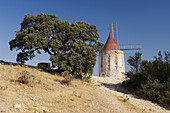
47	94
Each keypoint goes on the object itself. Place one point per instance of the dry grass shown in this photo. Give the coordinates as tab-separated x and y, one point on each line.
47	94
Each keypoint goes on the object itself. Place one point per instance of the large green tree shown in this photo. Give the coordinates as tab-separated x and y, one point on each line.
71	46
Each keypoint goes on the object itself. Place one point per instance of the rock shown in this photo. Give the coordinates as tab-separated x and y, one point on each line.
33	98
17	106
23	105
43	109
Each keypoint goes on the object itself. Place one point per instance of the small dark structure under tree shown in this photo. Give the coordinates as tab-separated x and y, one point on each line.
44	65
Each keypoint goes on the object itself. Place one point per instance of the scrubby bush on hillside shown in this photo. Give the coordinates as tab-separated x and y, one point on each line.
26	77
67	78
152	79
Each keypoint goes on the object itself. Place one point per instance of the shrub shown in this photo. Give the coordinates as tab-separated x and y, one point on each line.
67	78
26	77
152	80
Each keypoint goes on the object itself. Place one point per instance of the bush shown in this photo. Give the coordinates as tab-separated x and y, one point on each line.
26	77
67	78
152	80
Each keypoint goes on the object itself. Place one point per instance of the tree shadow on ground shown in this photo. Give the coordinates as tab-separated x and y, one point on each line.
119	88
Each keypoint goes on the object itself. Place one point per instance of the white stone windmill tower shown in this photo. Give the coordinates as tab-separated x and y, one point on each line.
111	60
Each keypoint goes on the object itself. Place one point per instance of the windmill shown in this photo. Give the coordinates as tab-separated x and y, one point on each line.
128	49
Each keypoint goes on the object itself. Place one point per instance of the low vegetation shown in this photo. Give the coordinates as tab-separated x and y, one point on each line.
150	79
67	78
26	77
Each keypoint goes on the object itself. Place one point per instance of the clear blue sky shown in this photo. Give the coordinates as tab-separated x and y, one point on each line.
145	22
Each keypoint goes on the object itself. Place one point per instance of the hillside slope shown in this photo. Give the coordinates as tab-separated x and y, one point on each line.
47	95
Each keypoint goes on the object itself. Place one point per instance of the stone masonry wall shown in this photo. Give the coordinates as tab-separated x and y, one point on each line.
111	64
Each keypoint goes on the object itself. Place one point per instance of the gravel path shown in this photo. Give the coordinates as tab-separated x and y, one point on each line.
113	86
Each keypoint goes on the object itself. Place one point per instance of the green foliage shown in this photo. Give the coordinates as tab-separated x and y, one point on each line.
152	81
134	62
22	57
71	46
26	77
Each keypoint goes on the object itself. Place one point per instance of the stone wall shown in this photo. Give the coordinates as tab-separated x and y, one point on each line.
111	64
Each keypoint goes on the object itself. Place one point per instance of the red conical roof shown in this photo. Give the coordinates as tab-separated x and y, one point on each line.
111	44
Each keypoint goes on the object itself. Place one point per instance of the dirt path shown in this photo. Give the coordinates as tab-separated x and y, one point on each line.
113	86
